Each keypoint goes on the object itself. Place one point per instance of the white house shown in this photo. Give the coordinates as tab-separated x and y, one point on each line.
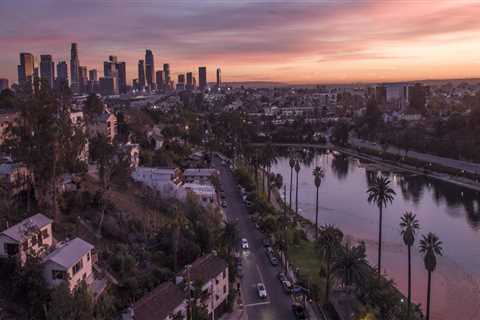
212	273
205	192
32	236
71	262
164	180
200	176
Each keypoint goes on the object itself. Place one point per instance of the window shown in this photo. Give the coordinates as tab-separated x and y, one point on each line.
77	267
225	289
39	239
224	274
88	256
34	240
216	281
10	248
59	275
45	233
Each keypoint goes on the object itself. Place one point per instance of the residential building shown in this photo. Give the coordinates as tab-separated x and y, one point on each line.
141	75
133	152
200	176
14	177
206	193
47	70
26	68
149	69
71	262
211	272
3	84
164	180
202	78
7	119
165	302
105	124
32	236
74	69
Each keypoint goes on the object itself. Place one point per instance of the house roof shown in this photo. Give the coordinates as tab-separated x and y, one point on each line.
200	172
159	303
26	226
69	253
206	268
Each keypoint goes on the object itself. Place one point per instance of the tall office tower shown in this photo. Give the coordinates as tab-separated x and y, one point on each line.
47	70
83	79
26	67
74	69
141	75
62	75
166	75
189	85
202	78
109	86
122	77
135	84
219	77
3	84
93	75
159	79
181	82
149	69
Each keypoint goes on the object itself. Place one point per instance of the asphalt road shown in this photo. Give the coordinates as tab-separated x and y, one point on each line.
256	266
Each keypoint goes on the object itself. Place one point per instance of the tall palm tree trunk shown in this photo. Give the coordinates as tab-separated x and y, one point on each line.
409	281
296	196
316	217
291	182
380	241
269	187
428	294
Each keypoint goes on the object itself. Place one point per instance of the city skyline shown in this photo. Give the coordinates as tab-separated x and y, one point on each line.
309	42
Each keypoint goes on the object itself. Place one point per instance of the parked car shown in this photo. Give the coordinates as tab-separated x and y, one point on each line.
244	244
287	286
267	243
281	276
262	292
224	204
299	311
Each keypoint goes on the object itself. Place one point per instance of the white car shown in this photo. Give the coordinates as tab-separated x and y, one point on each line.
262	292
244	244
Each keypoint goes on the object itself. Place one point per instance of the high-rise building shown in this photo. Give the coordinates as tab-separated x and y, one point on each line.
113	68
74	69
62	74
122	77
189	85
109	86
219	77
26	68
93	75
141	75
3	84
83	79
181	82
166	75
202	78
159	79
47	70
149	69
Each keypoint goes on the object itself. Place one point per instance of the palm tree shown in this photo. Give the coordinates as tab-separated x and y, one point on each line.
409	227
329	242
318	175
291	162
430	246
380	194
350	264
297	170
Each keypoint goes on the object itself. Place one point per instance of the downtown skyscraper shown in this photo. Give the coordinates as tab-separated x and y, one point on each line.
47	70
219	77
62	74
149	69
26	68
74	69
202	78
166	75
141	75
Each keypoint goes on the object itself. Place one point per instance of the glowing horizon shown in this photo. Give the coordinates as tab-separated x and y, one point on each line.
302	42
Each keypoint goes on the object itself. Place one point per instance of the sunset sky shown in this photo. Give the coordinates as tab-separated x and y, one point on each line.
289	41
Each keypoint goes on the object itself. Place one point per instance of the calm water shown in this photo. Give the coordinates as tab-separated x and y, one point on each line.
450	211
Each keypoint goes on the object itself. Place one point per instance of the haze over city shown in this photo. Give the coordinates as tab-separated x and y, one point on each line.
301	42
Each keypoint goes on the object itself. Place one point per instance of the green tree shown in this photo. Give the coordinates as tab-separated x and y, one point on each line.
410	227
329	242
93	107
381	194
230	237
350	264
291	162
340	133
318	175
430	247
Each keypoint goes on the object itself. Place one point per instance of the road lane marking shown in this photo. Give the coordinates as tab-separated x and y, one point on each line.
256	304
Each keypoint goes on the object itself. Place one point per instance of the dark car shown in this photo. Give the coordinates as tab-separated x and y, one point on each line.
299	311
267	243
281	276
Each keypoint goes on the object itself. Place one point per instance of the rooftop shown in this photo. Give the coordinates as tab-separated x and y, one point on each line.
69	253
200	172
26	226
159	303
207	267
